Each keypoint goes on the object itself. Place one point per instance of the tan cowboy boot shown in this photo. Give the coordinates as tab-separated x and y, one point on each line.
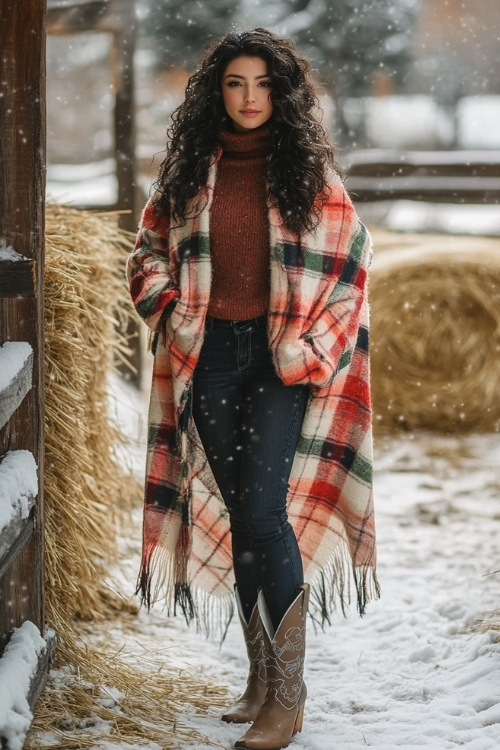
282	712
248	706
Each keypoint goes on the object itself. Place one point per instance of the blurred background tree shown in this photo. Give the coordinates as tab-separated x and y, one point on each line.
356	41
178	30
352	42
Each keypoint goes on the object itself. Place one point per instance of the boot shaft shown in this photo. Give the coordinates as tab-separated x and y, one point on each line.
254	640
285	649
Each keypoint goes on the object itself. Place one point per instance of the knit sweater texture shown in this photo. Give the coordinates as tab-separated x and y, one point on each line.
239	229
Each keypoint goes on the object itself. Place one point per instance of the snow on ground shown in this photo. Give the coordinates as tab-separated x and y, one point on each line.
415	672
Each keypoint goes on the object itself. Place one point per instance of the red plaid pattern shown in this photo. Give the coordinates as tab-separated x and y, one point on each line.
318	335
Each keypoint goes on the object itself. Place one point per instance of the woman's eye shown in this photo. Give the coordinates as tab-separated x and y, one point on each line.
265	84
232	84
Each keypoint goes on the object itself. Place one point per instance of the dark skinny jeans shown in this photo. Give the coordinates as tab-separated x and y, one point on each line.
249	423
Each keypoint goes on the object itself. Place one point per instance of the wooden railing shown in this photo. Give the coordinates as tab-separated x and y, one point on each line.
434	176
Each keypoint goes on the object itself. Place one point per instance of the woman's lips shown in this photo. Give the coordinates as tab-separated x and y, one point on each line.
249	112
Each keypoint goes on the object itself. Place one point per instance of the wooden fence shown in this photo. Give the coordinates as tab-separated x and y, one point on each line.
24	655
471	177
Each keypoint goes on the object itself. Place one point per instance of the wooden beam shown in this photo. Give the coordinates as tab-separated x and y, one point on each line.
386	162
17	278
405	168
43	668
15	536
22	203
20	588
77	17
18	323
484	190
86	15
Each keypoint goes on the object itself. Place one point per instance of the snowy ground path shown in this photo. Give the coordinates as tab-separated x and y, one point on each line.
414	672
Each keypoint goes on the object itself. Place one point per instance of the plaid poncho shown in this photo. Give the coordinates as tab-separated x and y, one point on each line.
318	335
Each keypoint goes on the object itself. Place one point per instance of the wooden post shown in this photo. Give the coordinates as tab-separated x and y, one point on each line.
123	48
22	199
125	142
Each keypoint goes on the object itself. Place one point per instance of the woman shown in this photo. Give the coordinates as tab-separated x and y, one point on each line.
250	268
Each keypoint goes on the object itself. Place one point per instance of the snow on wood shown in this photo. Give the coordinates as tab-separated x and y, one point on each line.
411	216
18	486
18	667
421	158
7	252
16	367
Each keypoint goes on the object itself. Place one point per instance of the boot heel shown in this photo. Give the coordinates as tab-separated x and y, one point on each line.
299	720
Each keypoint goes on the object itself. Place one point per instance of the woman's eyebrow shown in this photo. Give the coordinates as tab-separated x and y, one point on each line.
235	75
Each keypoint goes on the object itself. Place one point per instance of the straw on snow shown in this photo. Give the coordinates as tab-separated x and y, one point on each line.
435	332
86	492
103	698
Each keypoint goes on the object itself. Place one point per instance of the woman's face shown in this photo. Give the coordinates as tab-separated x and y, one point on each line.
246	91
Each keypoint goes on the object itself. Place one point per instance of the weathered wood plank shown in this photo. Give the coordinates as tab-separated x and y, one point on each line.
43	668
15	389
68	19
18	492
22	114
440	177
403	169
86	15
435	189
390	161
21	590
22	203
17	278
18	322
14	537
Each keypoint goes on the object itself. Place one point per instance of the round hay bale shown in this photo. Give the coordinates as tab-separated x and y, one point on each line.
435	312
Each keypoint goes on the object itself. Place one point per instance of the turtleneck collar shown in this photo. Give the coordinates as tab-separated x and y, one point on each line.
248	145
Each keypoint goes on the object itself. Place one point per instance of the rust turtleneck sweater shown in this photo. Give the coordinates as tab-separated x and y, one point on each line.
239	232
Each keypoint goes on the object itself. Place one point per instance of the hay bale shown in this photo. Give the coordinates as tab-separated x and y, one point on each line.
435	310
85	291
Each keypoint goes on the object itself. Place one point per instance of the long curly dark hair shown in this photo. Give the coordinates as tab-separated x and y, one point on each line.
300	151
